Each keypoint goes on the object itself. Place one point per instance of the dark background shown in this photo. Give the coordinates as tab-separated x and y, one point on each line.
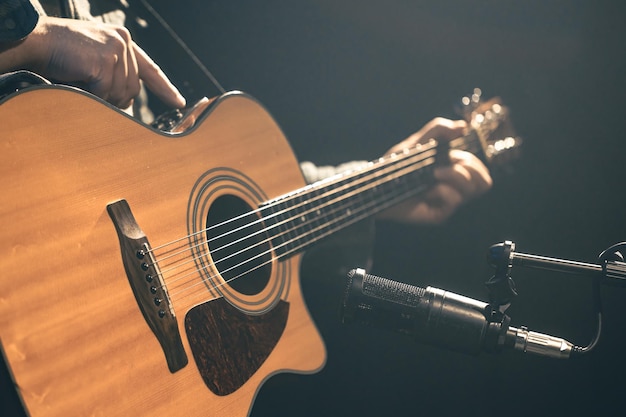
346	80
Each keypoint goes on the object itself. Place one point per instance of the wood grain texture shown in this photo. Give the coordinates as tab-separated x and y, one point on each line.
73	335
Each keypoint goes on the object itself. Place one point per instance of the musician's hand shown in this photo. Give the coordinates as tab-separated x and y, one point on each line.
465	178
99	57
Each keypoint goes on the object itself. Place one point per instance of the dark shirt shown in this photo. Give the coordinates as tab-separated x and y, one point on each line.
17	19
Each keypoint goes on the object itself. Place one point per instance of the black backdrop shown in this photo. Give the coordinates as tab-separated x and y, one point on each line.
346	80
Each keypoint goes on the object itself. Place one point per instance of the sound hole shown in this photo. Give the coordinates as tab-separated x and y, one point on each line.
238	245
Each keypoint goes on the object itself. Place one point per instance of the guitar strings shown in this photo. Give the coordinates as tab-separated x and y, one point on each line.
462	143
343	177
329	231
303	192
293	229
325	195
399	168
389	164
215	286
262	220
295	249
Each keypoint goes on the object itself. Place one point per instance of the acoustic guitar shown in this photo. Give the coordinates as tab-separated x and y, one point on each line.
151	271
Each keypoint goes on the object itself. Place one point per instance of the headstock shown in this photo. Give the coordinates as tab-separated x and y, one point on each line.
491	128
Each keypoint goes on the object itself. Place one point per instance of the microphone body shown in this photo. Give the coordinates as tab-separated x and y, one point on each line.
439	318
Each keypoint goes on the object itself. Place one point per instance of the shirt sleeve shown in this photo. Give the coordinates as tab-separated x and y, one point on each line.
313	173
17	19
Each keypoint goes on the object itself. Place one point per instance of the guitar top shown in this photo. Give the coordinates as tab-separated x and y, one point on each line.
85	188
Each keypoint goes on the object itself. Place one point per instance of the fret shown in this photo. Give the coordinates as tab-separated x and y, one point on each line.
296	219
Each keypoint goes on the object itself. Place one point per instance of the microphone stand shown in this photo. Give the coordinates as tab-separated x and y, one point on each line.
611	270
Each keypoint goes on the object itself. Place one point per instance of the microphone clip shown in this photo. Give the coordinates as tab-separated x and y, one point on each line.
500	286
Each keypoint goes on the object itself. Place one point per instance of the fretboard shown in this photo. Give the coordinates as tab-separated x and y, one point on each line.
297	220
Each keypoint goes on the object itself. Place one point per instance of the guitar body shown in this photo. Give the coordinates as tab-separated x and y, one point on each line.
76	338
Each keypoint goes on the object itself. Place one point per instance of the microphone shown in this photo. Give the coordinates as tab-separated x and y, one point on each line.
440	318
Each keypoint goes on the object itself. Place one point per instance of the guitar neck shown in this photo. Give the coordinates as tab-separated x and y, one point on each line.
297	220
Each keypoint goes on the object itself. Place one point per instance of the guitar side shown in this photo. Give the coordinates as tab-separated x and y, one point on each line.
70	326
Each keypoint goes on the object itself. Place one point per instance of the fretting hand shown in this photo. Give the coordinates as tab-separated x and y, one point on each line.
463	179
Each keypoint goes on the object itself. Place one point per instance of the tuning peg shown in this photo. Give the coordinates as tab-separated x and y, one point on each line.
469	103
